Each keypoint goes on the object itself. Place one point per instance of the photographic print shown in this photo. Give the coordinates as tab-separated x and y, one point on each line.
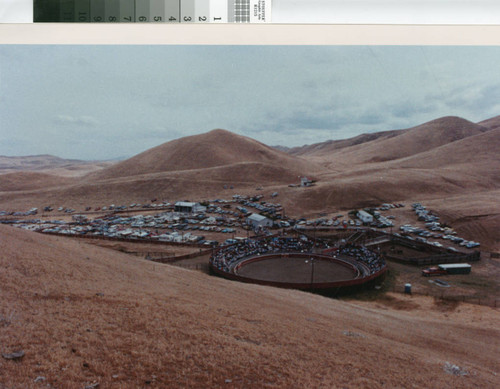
249	216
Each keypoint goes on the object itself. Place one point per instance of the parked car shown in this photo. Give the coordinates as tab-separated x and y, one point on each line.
433	271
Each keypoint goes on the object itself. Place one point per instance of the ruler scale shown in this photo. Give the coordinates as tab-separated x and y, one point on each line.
187	11
96	12
202	11
156	11
142	11
67	11
152	11
82	11
127	11
172	11
112	11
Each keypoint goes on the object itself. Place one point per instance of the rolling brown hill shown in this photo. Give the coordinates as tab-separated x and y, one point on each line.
50	164
332	145
35	162
470	151
463	166
392	145
213	149
492	123
194	167
87	315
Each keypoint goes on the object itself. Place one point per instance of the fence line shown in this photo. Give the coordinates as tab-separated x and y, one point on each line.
130	240
435	259
490	302
172	258
195	266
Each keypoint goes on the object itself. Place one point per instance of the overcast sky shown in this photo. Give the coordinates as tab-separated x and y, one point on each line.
104	102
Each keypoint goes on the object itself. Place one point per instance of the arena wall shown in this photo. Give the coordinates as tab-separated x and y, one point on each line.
327	288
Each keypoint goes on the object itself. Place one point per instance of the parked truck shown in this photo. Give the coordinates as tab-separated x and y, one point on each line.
450	268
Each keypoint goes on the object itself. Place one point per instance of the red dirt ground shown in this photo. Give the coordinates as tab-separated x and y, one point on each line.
296	270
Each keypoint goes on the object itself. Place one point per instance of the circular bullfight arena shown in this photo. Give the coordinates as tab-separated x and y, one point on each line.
299	263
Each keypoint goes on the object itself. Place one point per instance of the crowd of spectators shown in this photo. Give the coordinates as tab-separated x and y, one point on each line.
224	258
371	259
227	256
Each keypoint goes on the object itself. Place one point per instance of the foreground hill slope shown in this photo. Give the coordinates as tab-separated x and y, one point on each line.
84	314
213	149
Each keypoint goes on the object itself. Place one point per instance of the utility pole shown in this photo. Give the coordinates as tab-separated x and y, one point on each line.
312	272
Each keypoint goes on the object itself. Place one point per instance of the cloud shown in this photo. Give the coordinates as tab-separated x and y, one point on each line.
134	97
409	108
86	121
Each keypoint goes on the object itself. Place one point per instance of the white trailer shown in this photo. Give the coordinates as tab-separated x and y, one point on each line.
365	217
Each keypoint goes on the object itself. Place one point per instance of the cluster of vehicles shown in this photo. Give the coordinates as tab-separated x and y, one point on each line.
387	206
379	220
224	216
434	229
31	212
167	226
139	226
265	208
423	214
335	221
105	208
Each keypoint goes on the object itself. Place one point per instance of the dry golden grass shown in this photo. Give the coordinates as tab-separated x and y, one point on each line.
21	181
86	314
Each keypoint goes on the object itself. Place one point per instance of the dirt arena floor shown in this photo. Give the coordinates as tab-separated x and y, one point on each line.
295	269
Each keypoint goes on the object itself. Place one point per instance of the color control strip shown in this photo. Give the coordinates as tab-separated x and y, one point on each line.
152	11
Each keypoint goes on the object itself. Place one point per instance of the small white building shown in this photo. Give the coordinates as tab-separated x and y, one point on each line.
304	181
189	207
256	220
365	217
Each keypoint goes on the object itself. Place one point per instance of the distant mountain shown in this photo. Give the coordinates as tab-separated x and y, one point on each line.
281	148
50	164
331	145
469	152
491	123
35	162
393	145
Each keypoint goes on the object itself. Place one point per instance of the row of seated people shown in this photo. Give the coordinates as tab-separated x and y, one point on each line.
371	259
227	256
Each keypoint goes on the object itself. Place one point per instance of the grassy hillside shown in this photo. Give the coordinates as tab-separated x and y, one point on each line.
85	314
